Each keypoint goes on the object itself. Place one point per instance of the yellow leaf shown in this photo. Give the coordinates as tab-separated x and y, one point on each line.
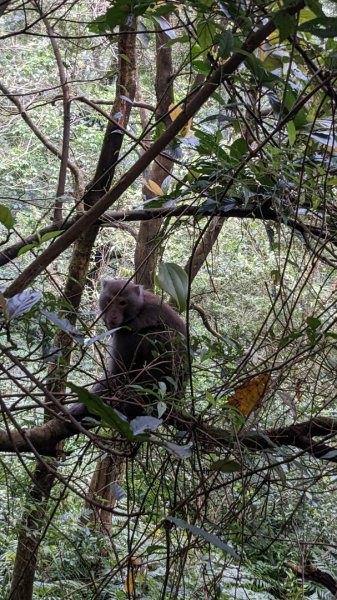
247	397
154	187
175	111
186	129
129	584
274	38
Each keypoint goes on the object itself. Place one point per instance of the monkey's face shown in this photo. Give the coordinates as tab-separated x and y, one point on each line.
120	302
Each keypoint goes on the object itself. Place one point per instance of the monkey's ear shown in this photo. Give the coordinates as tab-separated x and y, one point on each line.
105	282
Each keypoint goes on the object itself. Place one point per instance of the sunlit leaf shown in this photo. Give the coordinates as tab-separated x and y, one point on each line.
165	26
129	584
154	187
209	537
22	303
141	424
181	452
65	326
175	111
291	132
117	491
6	217
248	396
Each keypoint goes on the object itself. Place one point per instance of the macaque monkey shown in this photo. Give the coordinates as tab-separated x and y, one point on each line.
149	347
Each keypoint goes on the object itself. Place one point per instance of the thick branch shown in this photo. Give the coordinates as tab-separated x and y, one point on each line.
312	573
44	437
112	218
3	6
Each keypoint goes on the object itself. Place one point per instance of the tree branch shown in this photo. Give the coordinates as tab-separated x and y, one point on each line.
112	219
311	573
44	437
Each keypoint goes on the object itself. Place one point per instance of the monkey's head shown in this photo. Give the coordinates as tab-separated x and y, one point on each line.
120	301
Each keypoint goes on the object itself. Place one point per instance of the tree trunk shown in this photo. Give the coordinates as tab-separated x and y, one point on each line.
33	527
34	522
109	470
148	242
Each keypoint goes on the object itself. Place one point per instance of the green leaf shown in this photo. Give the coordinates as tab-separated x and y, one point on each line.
322	27
314	8
313	322
272	63
288	339
174	280
209	537
108	415
239	149
206	32
286	24
50	235
118	14
6	217
300	118
226	43
26	248
201	66
256	67
226	466
291	132
125	58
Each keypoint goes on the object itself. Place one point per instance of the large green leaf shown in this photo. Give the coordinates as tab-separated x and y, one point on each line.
6	217
173	280
108	415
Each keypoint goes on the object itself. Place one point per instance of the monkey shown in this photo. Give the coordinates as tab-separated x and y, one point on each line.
148	346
